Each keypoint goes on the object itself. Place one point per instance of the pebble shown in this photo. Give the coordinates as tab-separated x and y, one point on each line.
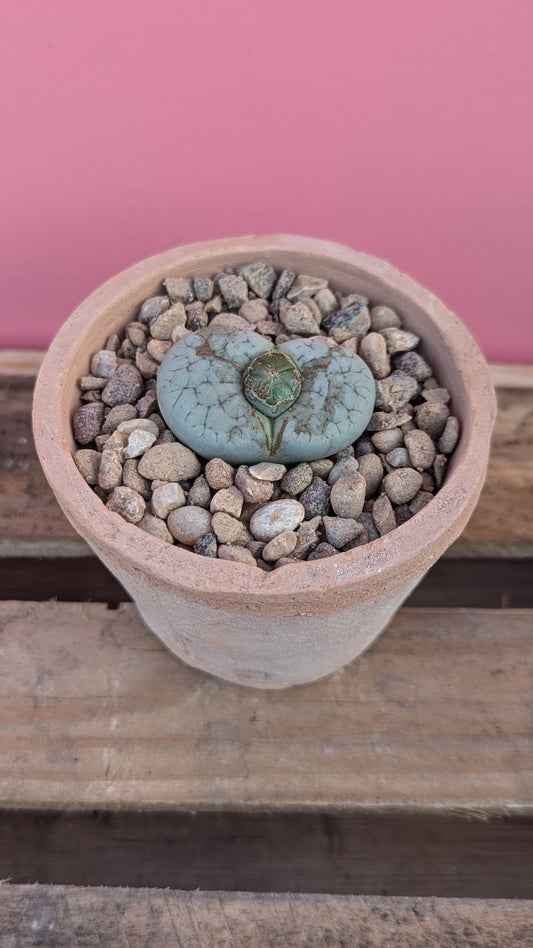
132	478
363	446
146	366
315	499
214	306
167	497
299	319
169	462
219	473
387	440
110	470
439	469
399	340
145	407
321	467
297	479
135	424
113	342
188	524
234	290
104	363
345	465
116	416
253	489
413	364
229	530
197	318
267	327
88	463
341	530
348	495
402	514
395	391
402	484
260	277
127	503
305	285
125	386
268	471
436	395
367	521
325	300
151	308
398	457
421	449
228	500
203	288
284	283
275	518
155	527
87	421
420	500
321	551
236	554
383	515
431	417
179	332
139	442
199	492
206	545
371	468
341	324
383	317
449	436
254	310
230	320
179	289
373	350
281	545
307	536
91	383
165	324
381	420
136	333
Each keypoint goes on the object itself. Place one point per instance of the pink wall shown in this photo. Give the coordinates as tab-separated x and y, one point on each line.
401	127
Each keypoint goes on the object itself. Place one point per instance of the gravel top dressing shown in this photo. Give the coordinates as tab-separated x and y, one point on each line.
259	416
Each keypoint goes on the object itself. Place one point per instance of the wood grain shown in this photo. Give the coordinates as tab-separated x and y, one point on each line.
97	714
63	917
502	525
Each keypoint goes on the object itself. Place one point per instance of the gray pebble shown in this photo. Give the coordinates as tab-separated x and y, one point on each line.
127	503
449	436
125	386
304	286
395	391
260	277
132	478
213	306
298	319
431	418
277	517
363	446
341	530
371	469
343	323
402	514
413	364
88	464
179	289
206	545
421	449
155	527
200	493
439	469
136	333
321	467
402	484
165	324
321	551
315	499
116	416
399	340
398	457
254	310
234	290
297	479
188	524
145	406
420	500
307	536
348	495
284	283
383	515
367	521
325	300
87	422
203	288
382	420
169	462
345	465
387	440
104	363
110	471
152	308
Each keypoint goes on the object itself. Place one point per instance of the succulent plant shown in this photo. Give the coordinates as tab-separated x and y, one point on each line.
233	394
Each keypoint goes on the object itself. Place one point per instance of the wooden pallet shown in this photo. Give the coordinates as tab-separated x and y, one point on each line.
398	784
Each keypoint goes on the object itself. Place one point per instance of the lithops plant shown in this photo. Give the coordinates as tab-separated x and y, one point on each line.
235	395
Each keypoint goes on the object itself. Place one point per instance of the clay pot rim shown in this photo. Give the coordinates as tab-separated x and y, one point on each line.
411	548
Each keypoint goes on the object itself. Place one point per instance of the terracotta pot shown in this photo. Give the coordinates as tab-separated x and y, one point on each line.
301	622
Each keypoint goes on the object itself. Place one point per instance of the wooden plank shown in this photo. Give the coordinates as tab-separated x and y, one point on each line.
33	525
42	916
97	714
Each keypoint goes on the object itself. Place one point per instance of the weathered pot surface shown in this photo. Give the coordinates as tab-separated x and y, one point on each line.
304	620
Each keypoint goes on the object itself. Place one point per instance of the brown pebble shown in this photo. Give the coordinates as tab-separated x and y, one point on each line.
163	327
188	524
382	420
421	449
125	386
321	467
307	537
127	503
110	472
146	366
420	500
146	405
219	474
383	317
281	545
348	495
236	554
155	527
166	497
132	478
383	515
268	471
431	418
398	457
449	436
88	463
87	421
229	530
228	500
253	489
341	530
116	416
373	350
104	363
439	469
179	289
91	383
297	479
402	484
399	340
371	469
387	440
169	462
395	391
321	551
199	492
